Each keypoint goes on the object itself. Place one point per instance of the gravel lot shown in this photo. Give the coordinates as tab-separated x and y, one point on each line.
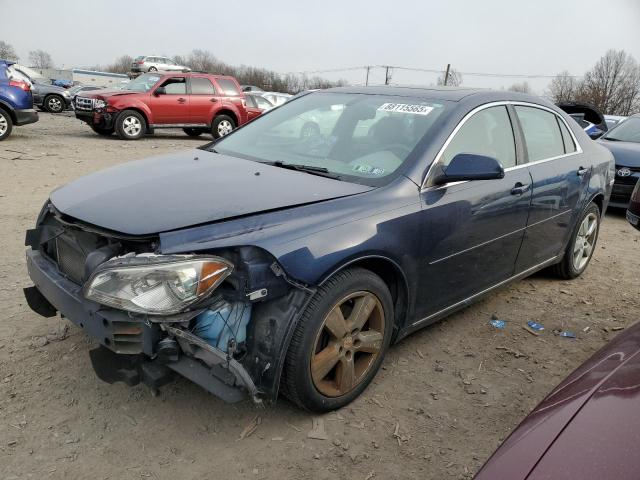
444	400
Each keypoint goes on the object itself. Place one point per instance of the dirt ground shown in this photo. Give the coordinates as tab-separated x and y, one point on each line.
444	400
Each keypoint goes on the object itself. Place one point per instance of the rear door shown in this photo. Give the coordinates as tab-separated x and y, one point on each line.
472	231
233	95
202	100
560	176
172	107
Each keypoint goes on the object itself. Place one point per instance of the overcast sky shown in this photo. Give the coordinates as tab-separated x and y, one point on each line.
540	37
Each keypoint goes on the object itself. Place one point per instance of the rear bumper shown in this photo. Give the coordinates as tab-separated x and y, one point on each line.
26	116
129	349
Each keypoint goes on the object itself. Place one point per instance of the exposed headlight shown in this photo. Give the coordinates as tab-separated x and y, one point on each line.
97	104
156	284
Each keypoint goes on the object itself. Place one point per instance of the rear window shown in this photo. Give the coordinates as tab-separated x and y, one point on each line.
228	87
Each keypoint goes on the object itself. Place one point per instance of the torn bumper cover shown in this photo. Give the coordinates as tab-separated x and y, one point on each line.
137	348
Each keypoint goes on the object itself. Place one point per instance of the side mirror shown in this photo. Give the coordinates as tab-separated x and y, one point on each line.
469	166
159	91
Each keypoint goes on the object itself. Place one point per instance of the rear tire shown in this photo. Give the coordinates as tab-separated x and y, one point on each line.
53	103
106	132
6	124
222	125
581	245
153	69
130	125
339	342
193	132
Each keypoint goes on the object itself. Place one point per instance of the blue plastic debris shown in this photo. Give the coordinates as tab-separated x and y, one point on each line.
222	323
498	323
567	334
535	326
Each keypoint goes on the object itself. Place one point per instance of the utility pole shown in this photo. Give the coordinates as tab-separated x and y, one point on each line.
387	75
367	80
446	75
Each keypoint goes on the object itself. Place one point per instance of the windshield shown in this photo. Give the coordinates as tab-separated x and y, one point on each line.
143	83
359	137
626	131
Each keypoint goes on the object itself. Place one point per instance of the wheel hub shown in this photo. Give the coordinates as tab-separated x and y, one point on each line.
347	344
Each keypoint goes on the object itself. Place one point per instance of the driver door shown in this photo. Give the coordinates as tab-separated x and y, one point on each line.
172	106
472	231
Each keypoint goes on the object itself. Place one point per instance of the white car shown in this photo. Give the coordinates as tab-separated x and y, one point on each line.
145	63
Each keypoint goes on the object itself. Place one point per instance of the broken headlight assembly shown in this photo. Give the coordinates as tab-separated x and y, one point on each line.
156	284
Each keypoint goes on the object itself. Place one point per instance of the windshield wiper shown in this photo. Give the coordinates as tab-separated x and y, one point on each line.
612	139
320	171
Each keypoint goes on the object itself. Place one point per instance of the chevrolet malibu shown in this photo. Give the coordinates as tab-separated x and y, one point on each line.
271	261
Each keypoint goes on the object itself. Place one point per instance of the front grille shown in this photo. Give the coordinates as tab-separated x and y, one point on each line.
71	258
84	104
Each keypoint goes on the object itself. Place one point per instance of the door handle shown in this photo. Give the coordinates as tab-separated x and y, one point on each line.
519	188
582	171
213	100
182	100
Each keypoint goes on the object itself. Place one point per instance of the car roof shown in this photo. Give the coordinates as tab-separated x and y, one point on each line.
8	63
452	94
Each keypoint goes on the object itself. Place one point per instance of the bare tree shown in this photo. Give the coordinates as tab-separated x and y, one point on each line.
523	87
7	52
613	84
563	88
121	65
454	79
40	59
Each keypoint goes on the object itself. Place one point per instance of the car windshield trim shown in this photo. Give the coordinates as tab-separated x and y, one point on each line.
359	137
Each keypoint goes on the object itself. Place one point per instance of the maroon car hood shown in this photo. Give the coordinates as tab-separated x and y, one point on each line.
108	93
587	428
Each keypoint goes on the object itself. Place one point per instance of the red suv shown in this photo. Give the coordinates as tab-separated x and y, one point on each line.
195	102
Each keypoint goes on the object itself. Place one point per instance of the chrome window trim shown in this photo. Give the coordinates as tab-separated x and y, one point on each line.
508	169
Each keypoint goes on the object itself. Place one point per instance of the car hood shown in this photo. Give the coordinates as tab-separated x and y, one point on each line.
627	154
189	188
587	428
108	93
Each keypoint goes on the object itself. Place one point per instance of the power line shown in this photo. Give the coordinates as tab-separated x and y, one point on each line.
432	70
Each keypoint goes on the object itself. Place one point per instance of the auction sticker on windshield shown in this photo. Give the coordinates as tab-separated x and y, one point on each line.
405	108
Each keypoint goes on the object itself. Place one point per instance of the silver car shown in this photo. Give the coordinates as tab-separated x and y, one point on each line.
145	63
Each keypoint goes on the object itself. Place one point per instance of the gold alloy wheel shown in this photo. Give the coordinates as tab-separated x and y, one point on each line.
347	344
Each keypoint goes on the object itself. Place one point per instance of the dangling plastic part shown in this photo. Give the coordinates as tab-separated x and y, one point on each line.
222	323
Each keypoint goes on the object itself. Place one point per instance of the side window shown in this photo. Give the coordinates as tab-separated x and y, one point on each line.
229	87
541	133
263	102
202	86
488	132
251	101
175	86
569	145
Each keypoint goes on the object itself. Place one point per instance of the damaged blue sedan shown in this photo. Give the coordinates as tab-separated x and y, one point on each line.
289	255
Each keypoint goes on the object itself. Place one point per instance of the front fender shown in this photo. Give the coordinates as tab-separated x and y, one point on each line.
131	104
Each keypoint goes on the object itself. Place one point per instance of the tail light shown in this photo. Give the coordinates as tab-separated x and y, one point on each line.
20	84
139	62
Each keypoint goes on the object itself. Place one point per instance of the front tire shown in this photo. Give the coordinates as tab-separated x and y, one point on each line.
130	125
6	124
581	245
222	125
53	103
339	342
153	69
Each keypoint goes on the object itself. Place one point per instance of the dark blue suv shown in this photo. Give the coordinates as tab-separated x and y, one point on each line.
16	100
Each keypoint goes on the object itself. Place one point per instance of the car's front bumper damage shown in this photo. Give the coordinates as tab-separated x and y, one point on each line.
150	349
